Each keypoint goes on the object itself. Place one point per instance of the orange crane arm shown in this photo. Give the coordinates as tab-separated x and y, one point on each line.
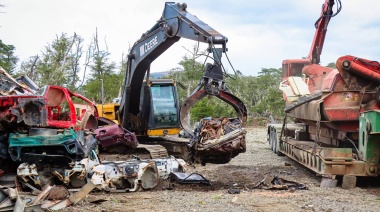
321	29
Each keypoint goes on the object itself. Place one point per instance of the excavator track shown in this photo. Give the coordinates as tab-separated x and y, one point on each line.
155	151
143	151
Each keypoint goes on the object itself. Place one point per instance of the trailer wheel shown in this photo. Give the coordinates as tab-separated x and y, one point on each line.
277	145
274	141
272	138
278	148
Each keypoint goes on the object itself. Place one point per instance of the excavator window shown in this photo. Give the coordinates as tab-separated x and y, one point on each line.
164	106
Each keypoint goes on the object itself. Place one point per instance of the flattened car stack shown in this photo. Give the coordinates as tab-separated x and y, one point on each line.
217	140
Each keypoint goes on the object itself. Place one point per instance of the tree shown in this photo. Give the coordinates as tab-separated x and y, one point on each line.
7	58
331	65
28	68
58	63
268	96
101	69
188	74
202	109
74	58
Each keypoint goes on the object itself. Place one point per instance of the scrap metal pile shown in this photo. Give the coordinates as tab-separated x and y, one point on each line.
217	140
88	174
50	143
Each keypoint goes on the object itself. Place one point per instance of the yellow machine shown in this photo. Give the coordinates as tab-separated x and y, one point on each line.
109	111
163	118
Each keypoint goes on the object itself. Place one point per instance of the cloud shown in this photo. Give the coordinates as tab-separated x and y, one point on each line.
261	33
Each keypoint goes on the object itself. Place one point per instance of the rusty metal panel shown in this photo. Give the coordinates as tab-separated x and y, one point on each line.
307	111
338	169
60	205
10	86
28	172
3	195
336	161
217	140
6	203
20	205
43	194
336	154
12	193
75	198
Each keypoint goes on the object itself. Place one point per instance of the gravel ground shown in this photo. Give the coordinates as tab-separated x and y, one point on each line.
242	172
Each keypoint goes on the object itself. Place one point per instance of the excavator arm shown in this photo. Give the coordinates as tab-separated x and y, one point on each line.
175	23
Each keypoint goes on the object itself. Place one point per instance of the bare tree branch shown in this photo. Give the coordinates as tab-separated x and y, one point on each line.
65	54
33	66
89	55
75	61
96	40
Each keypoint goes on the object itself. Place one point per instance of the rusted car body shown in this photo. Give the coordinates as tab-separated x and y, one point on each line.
217	140
130	175
116	139
51	127
69	110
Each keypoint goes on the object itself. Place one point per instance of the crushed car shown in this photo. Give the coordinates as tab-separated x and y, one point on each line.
115	139
20	108
130	175
49	127
217	140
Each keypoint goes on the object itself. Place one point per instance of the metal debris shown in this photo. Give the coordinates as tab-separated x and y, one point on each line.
130	175
98	201
217	140
234	191
43	194
6	204
28	172
58	192
125	175
10	86
116	139
20	204
168	165
75	198
278	183
192	178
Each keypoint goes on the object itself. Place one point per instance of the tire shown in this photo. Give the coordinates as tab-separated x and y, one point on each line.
274	141
277	145
269	134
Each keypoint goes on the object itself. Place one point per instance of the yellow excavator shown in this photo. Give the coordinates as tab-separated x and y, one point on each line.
150	108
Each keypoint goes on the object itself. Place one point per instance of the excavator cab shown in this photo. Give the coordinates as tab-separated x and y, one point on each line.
164	110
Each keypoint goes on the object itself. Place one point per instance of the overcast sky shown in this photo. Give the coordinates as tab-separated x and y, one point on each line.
261	33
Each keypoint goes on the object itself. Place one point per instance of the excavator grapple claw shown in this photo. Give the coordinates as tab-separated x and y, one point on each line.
224	95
